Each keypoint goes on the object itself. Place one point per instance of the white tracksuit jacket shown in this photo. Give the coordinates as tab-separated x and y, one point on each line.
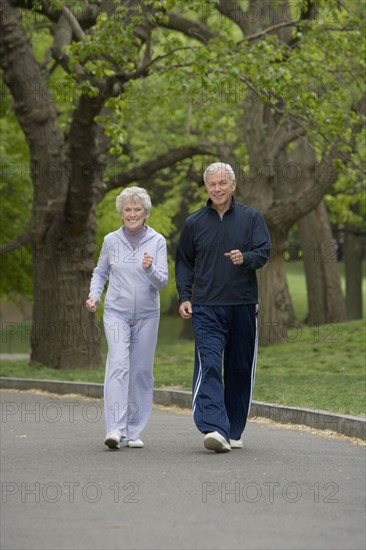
132	291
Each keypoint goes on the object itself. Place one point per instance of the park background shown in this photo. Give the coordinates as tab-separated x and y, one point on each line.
100	95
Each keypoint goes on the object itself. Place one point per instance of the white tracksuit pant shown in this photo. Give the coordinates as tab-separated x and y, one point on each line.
129	381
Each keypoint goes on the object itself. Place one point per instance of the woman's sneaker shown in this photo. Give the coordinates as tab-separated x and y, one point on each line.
135	443
112	440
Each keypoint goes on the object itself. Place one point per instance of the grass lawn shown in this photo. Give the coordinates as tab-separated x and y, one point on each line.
297	287
320	367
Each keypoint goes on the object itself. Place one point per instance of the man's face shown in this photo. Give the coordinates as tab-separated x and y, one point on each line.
220	188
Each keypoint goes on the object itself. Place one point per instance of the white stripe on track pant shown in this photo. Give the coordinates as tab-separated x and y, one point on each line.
129	380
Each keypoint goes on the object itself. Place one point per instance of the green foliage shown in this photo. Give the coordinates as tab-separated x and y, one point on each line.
195	91
347	204
104	39
15	206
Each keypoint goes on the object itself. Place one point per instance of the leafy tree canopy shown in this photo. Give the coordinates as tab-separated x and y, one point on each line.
179	72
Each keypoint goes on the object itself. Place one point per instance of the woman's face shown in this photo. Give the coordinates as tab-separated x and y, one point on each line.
133	215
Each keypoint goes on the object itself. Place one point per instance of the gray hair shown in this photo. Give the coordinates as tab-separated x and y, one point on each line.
134	194
215	167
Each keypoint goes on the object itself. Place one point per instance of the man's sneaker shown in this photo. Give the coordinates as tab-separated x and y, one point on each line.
112	440
236	443
216	442
135	443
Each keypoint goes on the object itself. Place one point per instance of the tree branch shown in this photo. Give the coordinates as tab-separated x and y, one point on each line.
165	160
268	30
233	10
37	117
85	165
144	69
286	213
62	36
73	22
146	58
86	19
284	134
17	243
194	29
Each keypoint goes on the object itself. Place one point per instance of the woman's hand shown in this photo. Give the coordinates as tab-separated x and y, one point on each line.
147	261
91	305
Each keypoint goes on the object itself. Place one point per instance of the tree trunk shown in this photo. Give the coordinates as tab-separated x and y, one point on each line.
353	256
258	189
325	299
276	313
282	183
64	334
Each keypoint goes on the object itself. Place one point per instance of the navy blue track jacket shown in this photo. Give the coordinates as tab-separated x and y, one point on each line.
207	277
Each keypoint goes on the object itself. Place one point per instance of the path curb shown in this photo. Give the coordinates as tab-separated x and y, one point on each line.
352	426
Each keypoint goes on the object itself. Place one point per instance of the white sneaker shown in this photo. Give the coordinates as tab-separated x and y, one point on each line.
216	442
135	443
236	443
112	440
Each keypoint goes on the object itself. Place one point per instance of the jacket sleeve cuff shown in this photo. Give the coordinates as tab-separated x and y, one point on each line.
185	299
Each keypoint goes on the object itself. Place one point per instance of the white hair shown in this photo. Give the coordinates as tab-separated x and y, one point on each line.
215	167
134	194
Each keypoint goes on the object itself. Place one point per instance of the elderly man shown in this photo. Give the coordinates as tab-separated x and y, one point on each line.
220	248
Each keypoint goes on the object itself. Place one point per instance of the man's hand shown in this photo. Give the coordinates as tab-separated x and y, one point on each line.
185	309
235	256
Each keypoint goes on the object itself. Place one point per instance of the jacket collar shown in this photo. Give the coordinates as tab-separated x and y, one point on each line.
232	205
150	233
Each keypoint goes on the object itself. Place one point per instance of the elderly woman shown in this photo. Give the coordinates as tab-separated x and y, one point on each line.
134	260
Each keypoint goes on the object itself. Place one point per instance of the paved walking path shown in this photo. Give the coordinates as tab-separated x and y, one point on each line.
62	488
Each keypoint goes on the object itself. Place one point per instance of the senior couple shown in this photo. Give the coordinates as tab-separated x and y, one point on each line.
220	248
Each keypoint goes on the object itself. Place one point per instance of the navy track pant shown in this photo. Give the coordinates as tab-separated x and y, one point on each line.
226	342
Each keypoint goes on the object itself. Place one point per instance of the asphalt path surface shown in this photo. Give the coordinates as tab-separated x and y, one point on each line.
63	489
